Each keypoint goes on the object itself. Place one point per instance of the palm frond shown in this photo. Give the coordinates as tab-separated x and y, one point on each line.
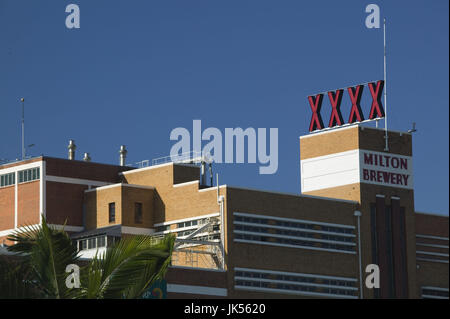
48	251
129	267
15	280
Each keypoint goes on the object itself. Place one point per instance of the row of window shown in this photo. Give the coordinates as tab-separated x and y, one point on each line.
194	222
215	229
309	235
293	242
7	179
29	175
293	233
95	242
190	223
434	293
138	213
295	278
24	176
296	282
294	224
291	287
161	229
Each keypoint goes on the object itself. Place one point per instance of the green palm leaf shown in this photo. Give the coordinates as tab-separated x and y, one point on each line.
128	268
48	251
15	279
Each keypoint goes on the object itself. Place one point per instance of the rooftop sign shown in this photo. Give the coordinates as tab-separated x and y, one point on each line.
356	114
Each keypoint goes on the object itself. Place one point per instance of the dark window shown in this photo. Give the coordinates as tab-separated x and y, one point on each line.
112	212
83	244
138	213
111	240
91	243
101	241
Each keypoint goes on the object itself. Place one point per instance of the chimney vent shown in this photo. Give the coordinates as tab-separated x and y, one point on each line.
123	155
86	157
71	148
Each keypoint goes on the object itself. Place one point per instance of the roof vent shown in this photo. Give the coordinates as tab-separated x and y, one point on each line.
123	155
71	148
86	157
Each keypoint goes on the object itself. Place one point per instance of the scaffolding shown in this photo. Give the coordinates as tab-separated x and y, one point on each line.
201	248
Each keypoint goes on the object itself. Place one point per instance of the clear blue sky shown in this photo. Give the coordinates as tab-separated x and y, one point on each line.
135	70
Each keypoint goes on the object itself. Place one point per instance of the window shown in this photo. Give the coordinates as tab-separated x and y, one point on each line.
91	243
296	283
112	212
101	241
7	179
162	228
138	213
301	233
111	240
29	175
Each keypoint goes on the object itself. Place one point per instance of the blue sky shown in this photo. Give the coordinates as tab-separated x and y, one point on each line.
137	69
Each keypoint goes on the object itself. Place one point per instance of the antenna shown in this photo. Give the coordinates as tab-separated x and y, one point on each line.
30	146
413	128
23	128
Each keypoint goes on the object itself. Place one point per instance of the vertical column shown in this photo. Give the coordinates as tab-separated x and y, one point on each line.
399	249
16	197
382	246
42	191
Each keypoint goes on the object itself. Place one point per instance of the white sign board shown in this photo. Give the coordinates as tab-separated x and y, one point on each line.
356	166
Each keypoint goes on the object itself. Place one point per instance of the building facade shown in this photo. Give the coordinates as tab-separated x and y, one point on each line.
356	208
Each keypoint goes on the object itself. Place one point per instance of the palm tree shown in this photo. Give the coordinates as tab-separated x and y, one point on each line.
126	270
15	280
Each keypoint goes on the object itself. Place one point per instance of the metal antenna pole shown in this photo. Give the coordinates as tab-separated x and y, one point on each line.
386	148
23	128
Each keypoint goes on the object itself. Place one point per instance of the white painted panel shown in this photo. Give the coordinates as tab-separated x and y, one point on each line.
330	171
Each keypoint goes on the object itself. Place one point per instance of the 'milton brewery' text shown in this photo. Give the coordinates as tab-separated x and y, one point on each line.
382	176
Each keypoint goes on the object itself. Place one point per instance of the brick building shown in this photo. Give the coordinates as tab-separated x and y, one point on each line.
356	208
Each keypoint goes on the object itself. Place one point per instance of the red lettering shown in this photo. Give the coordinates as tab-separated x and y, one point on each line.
394	179
365	174
387	160
377	108
355	96
386	176
316	120
335	100
405	177
394	162
381	160
403	163
368	159
379	176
